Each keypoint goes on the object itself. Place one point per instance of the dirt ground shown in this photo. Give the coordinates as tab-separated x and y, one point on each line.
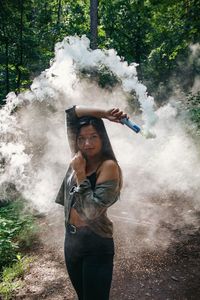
172	273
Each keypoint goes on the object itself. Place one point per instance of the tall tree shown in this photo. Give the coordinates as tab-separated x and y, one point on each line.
153	33
93	23
20	63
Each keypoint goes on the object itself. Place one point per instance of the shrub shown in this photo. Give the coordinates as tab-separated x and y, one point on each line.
193	107
17	231
11	277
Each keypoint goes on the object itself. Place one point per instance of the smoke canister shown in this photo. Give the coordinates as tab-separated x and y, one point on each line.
130	124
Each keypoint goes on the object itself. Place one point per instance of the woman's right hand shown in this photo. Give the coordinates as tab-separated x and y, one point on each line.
115	115
78	164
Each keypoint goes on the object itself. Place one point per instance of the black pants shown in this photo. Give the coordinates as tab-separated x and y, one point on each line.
89	262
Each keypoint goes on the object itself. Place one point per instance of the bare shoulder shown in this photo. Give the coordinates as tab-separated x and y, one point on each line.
109	170
109	163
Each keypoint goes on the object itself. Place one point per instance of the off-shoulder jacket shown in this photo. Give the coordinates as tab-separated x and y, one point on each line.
90	203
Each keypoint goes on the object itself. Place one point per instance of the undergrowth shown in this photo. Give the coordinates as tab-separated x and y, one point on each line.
11	276
18	231
193	107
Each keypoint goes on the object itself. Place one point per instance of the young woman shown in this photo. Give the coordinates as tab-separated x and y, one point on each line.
92	184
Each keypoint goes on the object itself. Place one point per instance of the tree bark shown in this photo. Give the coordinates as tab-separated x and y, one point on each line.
18	67
59	12
93	23
7	69
6	41
58	23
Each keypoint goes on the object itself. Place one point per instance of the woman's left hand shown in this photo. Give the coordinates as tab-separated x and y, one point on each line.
115	115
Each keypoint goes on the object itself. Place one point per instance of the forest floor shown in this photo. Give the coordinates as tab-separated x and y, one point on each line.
172	273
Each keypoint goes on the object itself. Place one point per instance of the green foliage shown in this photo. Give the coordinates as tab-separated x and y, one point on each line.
17	231
193	105
106	77
155	34
8	248
126	24
166	39
170	38
10	276
102	75
7	288
28	33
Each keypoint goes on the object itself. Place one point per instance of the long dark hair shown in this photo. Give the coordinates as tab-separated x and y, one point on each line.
107	151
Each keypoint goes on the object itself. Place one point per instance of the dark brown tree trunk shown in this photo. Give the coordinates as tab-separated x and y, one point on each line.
5	40
7	69
139	38
58	22
19	65
93	23
59	11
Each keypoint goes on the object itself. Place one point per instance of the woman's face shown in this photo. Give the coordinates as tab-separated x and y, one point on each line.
89	141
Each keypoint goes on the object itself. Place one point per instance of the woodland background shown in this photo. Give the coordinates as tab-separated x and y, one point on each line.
161	36
157	35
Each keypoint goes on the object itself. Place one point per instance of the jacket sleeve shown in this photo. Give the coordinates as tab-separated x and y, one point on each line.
72	127
89	203
71	122
60	195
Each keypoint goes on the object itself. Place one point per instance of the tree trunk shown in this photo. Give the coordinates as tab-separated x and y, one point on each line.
139	38
58	23
93	23
18	67
59	11
6	40
7	69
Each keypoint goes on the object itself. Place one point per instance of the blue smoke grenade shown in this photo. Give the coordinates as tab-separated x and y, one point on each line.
136	128
130	124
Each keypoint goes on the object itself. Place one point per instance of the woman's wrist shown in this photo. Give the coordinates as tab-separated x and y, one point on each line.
80	176
106	114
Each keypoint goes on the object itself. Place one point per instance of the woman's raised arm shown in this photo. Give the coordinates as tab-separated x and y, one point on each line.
114	114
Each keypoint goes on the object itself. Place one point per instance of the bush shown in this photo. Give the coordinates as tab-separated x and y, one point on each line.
11	277
17	231
102	75
193	106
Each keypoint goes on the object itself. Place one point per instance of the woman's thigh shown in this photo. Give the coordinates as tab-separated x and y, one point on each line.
74	269
97	276
89	270
74	265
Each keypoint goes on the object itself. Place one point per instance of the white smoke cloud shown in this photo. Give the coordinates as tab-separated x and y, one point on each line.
157	172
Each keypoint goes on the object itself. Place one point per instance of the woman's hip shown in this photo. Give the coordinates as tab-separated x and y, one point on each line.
83	241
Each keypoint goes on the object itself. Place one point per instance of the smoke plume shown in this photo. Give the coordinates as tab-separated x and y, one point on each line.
161	175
